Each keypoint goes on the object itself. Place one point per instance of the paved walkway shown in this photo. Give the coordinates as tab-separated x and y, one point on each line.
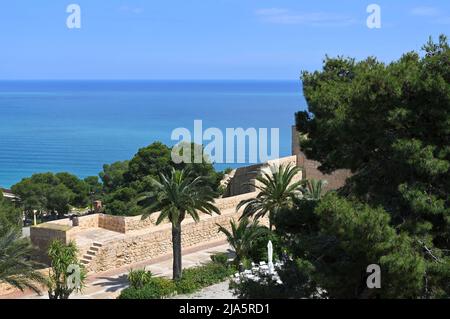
109	284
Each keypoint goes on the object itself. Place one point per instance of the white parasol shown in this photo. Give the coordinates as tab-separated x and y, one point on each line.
270	256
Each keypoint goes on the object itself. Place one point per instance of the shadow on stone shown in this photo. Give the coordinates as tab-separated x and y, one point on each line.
113	283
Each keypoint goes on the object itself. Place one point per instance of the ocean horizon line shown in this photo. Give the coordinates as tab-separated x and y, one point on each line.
150	80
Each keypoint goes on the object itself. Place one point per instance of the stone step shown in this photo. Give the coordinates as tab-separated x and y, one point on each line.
91	252
88	257
97	244
85	262
93	248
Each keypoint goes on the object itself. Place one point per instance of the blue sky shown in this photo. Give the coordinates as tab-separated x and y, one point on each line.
204	39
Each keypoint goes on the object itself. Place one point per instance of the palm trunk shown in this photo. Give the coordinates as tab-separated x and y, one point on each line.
176	246
270	220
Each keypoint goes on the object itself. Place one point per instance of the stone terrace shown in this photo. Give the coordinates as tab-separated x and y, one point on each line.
107	242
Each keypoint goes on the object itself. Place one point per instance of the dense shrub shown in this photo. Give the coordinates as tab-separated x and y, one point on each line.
193	280
155	288
258	252
206	275
139	278
250	289
242	236
290	280
10	216
220	258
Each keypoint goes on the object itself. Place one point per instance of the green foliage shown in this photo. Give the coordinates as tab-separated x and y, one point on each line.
220	258
139	278
155	288
156	158
51	193
123	202
113	175
16	266
333	240
64	260
243	236
150	161
196	278
175	196
258	252
296	283
249	289
299	219
389	124
314	189
123	181
353	236
339	238
277	190
94	186
298	276
79	188
10	216
193	280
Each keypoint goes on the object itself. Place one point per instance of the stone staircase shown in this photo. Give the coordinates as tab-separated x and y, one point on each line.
91	253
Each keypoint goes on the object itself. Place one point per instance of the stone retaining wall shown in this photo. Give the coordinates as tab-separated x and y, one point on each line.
42	235
144	240
88	221
157	241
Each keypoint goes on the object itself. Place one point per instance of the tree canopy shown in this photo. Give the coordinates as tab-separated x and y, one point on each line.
389	124
10	216
51	193
123	181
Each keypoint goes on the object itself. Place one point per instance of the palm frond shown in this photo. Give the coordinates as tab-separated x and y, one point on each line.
16	267
277	189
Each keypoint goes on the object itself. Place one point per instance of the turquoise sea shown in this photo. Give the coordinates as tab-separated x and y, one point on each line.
77	126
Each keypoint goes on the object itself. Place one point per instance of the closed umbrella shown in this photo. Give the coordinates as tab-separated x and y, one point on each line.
270	256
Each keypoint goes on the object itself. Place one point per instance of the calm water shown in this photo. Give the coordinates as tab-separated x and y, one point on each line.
79	126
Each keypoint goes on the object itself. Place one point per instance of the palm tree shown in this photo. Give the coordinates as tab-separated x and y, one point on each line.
242	236
314	189
277	190
66	274
176	196
16	267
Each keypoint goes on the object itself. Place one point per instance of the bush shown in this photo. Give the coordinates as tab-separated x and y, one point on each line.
186	286
258	252
139	278
290	280
220	258
250	289
258	283
193	280
156	288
